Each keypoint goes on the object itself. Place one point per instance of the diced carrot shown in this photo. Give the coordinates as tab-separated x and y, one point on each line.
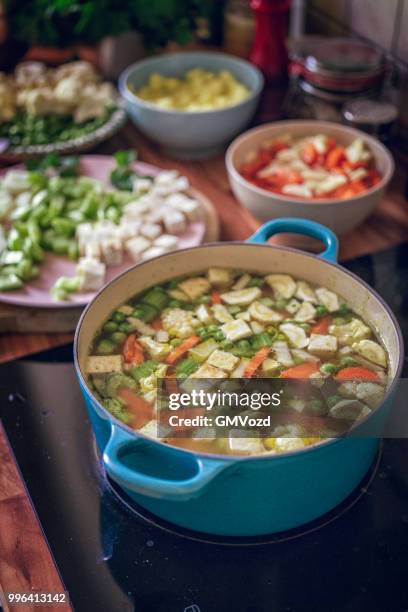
215	297
303	370
132	351
357	187
142	412
334	158
356	373
309	154
322	326
182	348
256	361
330	143
157	324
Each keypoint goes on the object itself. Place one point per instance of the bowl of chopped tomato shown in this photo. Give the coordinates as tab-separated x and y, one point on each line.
317	170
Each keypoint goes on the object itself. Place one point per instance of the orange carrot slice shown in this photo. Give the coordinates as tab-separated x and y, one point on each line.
322	326
132	351
334	158
356	373
309	154
215	297
303	370
256	361
181	349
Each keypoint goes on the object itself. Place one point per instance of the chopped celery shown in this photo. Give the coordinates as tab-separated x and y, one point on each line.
10	282
186	367
202	351
157	298
146	312
117	380
260	340
117	409
144	369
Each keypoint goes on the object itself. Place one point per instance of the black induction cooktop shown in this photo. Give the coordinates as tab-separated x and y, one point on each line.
113	557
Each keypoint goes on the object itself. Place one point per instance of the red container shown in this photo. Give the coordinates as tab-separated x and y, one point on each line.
269	51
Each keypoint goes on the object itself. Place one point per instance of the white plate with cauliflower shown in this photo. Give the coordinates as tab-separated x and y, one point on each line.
58	258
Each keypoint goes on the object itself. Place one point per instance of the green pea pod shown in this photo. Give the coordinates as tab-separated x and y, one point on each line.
34	231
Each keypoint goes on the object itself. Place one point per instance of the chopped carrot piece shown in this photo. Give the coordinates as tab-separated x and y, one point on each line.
356	373
330	143
142	412
182	348
322	326
157	324
132	351
256	361
215	297
357	187
309	154
334	158
303	370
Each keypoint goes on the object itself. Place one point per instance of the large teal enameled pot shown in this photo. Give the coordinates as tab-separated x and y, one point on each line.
232	495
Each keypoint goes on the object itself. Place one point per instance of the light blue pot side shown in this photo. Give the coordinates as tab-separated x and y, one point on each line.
228	495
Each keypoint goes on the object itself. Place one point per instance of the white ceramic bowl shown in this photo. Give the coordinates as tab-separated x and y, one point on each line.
185	134
340	215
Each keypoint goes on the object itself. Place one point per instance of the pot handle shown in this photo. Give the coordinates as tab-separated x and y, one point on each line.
299	226
121	442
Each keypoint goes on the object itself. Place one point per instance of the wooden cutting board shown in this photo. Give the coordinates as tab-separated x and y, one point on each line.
23	319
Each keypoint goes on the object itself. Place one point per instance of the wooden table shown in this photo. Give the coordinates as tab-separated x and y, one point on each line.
387	227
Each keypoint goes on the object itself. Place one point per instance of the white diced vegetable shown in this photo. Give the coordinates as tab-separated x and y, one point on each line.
240	369
136	246
264	314
305	293
282	353
236	330
283	285
154	251
243	297
208	371
203	314
151	231
322	345
6	204
372	351
243	316
293	306
221	314
140	326
166	242
174	222
242	282
195	287
150	429
306	312
331	183
162	336
112	251
103	364
303	356
157	350
219	276
328	299
302	191
245	446
223	360
357	152
91	274
350	332
256	327
295	334
349	409
16	181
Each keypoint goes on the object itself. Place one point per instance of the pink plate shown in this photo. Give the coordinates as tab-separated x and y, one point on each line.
37	293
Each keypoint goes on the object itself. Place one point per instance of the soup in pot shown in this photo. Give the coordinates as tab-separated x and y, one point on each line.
231	324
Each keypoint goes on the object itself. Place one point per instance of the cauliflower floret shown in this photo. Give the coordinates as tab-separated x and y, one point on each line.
178	322
350	332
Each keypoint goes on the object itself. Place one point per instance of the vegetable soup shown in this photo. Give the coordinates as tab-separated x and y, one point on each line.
226	323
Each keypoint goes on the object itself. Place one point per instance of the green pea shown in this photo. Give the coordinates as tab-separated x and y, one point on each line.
126	328
118	316
328	368
348	362
105	347
110	327
118	337
175	304
321	310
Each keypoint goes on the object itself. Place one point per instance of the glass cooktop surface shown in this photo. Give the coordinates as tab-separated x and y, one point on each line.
115	557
